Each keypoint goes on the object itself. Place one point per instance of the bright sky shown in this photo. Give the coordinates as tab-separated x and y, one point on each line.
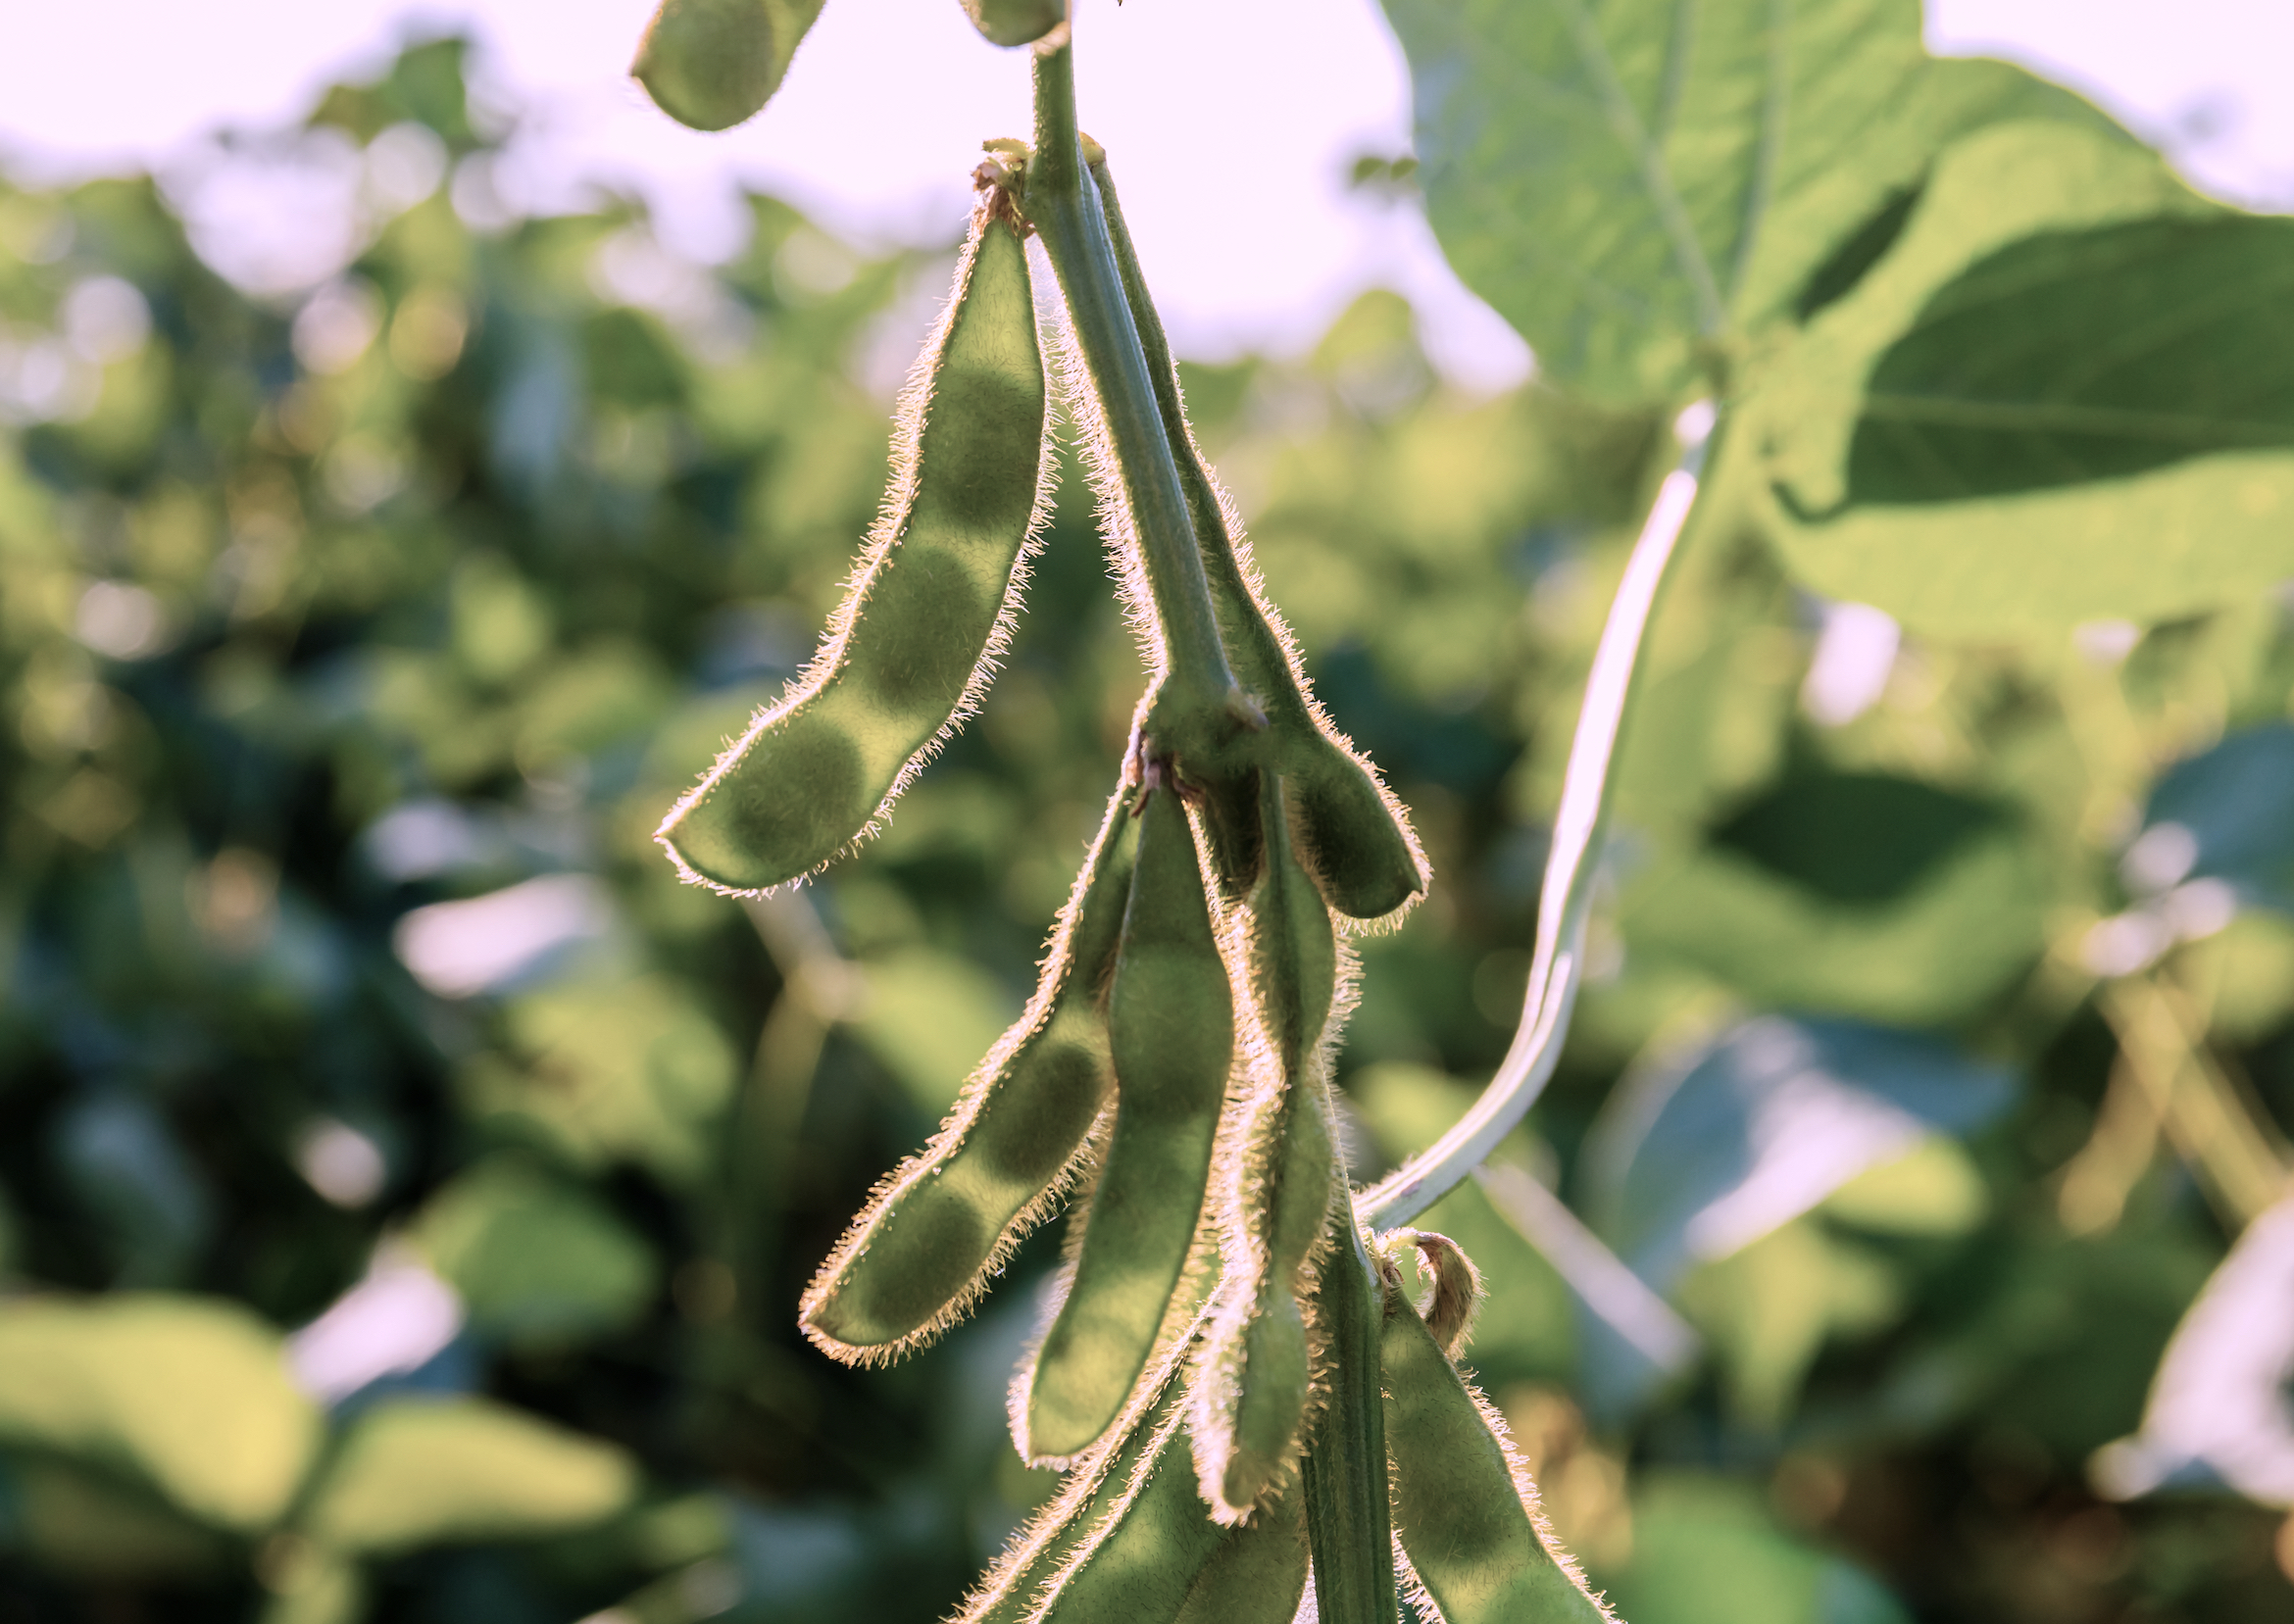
1244	223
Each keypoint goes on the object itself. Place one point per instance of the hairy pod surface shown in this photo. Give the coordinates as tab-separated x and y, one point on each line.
922	1251
1171	1031
1128	1542
1016	21
1464	1508
1353	834
930	605
1046	1546
710	63
1273	1176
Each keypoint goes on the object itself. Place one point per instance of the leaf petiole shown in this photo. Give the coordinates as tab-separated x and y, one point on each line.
1578	827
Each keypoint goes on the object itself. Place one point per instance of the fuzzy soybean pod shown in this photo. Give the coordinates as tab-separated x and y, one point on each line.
940	1226
1353	833
1170	1030
1016	21
710	63
930	607
1464	1509
1274	1178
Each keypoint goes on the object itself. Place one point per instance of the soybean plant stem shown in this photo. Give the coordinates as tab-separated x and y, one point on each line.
1344	1471
1575	856
1199	689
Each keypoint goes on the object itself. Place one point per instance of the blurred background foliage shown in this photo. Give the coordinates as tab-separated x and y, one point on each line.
405	1184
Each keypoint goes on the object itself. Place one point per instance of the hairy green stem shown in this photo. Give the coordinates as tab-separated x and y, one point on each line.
1199	695
1345	1465
1578	827
1211	537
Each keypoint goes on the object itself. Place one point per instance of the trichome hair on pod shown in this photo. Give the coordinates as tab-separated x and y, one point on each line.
1274	1187
710	64
1142	1228
1094	445
1015	22
1472	1542
940	1226
1358	840
917	638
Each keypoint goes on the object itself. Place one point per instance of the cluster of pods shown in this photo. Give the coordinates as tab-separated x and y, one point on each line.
1170	1079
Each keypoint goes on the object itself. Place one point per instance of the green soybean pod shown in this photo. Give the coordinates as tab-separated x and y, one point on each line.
942	1223
1464	1508
1170	1030
710	64
1016	21
1014	1588
929	608
1152	1555
1273	1177
1353	833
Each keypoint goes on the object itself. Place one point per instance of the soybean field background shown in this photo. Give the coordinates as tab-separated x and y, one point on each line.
405	1183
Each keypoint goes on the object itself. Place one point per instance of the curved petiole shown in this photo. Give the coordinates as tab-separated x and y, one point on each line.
1565	899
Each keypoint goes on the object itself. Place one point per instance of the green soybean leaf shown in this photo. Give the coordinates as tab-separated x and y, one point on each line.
1695	1159
536	1262
1635	183
2062	396
189	1396
1171	1031
2226	815
710	64
1353	834
420	1471
1016	21
1861	894
1464	1509
925	1248
1273	1175
914	642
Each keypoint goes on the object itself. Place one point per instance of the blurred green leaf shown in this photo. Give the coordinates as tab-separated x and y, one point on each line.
189	1395
1705	1552
1865	894
413	1472
931	1017
536	1262
629	1071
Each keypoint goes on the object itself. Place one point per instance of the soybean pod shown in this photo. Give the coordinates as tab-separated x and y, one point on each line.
929	606
1015	22
1171	1031
1142	1549
1464	1508
1273	1179
941	1225
1353	833
1044	1550
710	63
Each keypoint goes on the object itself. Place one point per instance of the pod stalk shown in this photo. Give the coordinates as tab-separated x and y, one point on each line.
1349	1521
1200	710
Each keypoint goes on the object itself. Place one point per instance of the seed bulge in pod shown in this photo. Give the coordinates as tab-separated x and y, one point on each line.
1016	21
941	1225
931	603
710	63
1465	1507
1170	1029
1273	1177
